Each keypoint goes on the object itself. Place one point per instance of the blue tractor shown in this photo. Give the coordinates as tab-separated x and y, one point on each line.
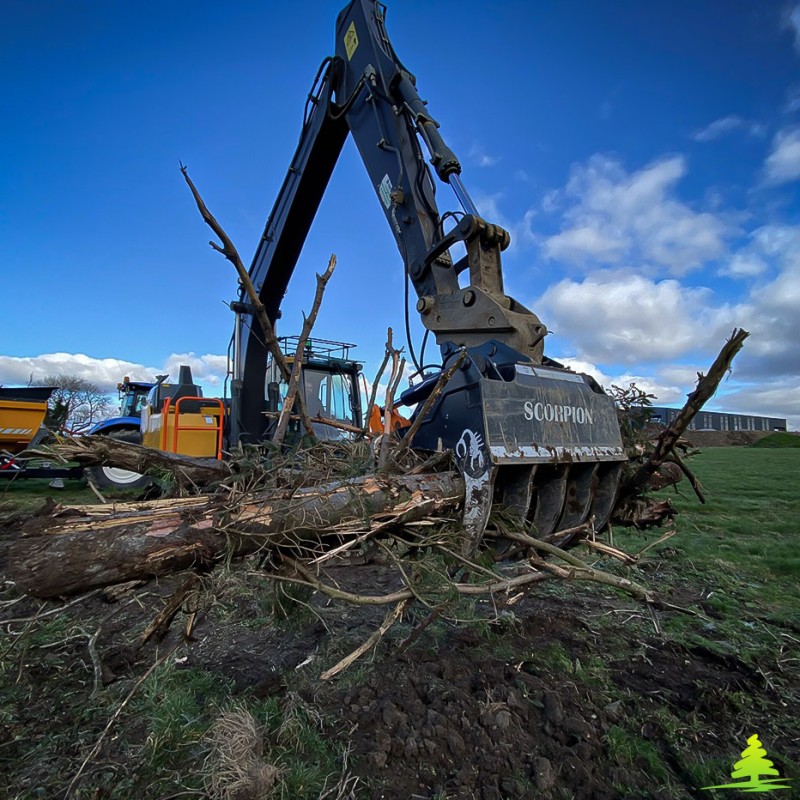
125	427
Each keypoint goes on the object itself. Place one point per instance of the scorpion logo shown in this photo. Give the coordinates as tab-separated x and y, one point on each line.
469	451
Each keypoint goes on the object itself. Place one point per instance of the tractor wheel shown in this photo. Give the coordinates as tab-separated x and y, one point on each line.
114	477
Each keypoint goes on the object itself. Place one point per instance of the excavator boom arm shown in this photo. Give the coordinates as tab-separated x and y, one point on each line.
366	91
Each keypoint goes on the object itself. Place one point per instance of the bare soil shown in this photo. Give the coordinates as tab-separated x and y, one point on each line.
571	693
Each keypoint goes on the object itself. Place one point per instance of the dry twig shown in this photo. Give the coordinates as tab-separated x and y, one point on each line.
375	383
444	379
376	636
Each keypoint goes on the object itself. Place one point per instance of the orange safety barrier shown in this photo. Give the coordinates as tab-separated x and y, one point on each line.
177	427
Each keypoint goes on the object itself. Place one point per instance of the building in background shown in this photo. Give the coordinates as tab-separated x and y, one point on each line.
717	421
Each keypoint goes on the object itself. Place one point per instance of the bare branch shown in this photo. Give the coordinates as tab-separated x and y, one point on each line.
375	383
376	636
294	378
706	386
232	254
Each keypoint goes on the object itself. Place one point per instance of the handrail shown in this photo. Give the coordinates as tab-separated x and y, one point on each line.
169	406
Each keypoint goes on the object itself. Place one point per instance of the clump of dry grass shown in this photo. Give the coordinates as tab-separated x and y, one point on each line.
297	718
235	769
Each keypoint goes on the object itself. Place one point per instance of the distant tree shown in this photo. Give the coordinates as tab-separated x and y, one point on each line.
633	411
75	405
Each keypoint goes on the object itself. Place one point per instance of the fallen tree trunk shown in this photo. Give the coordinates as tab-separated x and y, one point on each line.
91	451
80	553
706	386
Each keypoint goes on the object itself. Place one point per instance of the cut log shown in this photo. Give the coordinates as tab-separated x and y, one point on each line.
78	554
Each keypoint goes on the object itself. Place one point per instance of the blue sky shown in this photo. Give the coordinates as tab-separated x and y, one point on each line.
645	157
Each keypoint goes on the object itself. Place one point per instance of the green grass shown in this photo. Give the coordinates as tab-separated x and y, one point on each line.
747	531
736	562
634	753
30	495
779	440
741	546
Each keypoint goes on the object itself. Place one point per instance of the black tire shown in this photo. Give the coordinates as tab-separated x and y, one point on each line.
114	478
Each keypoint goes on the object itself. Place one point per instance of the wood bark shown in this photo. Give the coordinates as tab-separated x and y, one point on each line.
299	355
706	386
374	393
103	450
100	548
668	474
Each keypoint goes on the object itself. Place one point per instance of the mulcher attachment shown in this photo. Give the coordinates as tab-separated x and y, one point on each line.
541	441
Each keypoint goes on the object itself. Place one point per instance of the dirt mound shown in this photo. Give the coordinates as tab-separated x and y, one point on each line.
557	718
571	693
725	438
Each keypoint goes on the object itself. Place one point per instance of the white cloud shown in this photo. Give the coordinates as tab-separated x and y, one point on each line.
580	365
778	398
478	156
655	385
793	23
611	317
587	243
772	315
672	383
664	394
770	247
207	369
618	318
743	265
614	217
781	242
792	100
719	127
107	372
783	162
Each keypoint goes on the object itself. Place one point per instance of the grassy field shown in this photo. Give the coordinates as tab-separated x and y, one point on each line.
744	542
29	495
653	704
736	560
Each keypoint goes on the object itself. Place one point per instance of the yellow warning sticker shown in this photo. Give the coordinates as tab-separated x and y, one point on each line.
351	40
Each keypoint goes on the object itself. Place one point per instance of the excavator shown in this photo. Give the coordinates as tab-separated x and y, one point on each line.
526	432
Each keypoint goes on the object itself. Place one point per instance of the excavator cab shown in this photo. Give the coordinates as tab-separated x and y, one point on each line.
330	385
